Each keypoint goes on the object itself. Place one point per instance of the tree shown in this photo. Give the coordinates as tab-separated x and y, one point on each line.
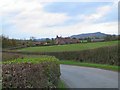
74	38
6	42
13	41
32	38
111	37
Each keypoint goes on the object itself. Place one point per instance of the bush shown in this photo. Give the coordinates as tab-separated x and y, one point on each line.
41	72
10	56
104	55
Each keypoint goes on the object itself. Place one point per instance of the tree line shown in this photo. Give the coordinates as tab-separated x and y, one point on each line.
6	42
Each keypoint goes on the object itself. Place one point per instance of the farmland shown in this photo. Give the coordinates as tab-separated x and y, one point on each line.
102	55
98	55
70	47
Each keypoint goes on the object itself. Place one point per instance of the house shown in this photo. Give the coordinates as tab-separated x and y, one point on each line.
66	40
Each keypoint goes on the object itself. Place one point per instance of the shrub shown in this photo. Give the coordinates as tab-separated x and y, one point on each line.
10	56
103	55
41	72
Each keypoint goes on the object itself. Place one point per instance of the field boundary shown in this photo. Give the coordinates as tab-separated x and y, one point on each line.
101	55
42	53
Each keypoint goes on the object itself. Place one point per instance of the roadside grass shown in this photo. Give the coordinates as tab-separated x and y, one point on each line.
0	85
101	66
61	85
68	47
0	81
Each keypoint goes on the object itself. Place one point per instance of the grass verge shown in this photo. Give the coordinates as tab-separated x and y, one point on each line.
101	66
61	84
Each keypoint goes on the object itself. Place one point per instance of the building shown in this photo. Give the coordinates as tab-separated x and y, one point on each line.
67	40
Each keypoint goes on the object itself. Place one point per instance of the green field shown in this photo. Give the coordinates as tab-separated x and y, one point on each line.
68	47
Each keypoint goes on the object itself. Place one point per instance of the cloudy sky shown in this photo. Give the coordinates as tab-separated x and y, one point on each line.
26	18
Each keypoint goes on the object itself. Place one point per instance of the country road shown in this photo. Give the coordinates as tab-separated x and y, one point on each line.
84	77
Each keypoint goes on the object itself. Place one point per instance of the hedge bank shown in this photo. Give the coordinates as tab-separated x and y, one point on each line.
41	72
103	55
10	56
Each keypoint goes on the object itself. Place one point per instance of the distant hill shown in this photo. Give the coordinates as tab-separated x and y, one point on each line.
96	34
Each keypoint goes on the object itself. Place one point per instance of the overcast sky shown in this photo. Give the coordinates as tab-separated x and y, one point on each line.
26	18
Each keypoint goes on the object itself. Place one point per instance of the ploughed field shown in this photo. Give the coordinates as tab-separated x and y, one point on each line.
68	47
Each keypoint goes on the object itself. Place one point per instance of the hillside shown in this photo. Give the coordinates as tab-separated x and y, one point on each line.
96	34
68	47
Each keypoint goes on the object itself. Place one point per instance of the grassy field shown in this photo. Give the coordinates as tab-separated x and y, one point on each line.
70	47
101	66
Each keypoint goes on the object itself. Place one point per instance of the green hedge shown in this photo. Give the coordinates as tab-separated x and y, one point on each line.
41	72
10	56
103	55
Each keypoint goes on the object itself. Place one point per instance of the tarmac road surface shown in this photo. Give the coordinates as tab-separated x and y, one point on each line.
85	77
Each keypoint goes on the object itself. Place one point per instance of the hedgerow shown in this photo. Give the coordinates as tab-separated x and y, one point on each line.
43	72
10	56
104	55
